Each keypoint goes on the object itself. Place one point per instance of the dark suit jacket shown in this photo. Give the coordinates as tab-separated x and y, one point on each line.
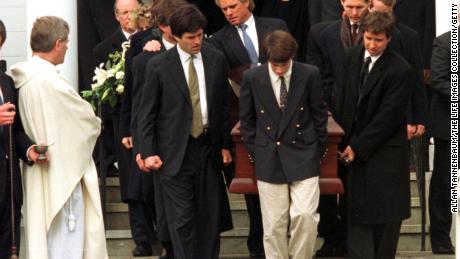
420	16
20	144
405	42
139	66
315	56
286	146
96	21
101	54
229	42
324	10
137	43
440	85
166	114
333	52
375	127
294	13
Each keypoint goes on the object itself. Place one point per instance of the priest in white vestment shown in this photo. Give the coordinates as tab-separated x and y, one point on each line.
62	207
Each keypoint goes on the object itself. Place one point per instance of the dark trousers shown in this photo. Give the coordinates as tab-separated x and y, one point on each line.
373	241
332	225
439	199
141	223
6	227
192	202
256	231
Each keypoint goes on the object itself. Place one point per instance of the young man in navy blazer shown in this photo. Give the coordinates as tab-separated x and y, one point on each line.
283	124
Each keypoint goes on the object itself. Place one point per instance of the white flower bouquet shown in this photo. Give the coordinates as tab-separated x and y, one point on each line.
108	80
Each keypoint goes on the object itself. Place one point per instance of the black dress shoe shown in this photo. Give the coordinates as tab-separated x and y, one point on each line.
443	250
142	250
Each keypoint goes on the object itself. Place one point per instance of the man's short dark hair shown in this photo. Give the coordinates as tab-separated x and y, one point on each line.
378	22
2	33
186	18
279	46
163	9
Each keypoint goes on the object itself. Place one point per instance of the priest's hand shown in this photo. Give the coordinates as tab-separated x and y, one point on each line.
153	162
32	155
7	113
127	142
226	156
141	163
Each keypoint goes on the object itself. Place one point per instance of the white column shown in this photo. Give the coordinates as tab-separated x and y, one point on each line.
443	17
67	10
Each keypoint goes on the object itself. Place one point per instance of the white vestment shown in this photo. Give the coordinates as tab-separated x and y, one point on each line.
52	112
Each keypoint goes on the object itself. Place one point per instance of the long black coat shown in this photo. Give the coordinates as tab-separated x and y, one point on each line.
375	127
286	146
440	85
20	143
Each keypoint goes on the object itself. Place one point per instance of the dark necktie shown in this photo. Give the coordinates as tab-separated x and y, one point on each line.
194	89
248	44
283	94
354	32
364	73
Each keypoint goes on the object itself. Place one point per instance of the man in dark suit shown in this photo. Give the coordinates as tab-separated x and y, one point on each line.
335	39
372	104
405	42
283	124
15	145
148	184
241	51
439	206
141	229
185	132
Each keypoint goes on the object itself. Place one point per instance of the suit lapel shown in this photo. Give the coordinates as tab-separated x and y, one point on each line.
208	64
176	73
233	39
295	93
261	32
373	77
265	92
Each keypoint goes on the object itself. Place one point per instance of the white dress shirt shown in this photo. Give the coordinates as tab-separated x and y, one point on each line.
276	81
251	31
373	59
168	45
198	63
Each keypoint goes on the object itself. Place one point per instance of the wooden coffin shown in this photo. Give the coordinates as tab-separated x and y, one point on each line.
244	181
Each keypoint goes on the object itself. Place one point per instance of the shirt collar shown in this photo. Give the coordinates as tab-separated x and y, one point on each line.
274	77
249	22
184	56
373	58
167	44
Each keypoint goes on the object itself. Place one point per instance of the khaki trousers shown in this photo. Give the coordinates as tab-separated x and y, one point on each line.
289	209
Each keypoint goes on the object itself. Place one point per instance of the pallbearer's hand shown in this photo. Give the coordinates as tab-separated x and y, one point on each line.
226	156
141	163
153	162
127	142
